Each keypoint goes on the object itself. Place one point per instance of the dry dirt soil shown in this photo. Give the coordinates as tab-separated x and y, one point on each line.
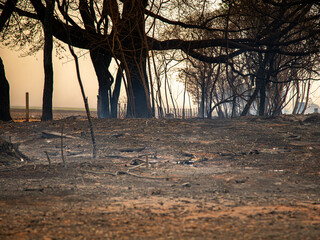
245	178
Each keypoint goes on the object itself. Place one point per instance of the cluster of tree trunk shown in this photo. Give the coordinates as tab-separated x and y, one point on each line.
120	31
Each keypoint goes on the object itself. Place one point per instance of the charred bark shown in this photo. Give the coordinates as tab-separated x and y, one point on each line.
140	90
262	94
101	61
100	58
4	95
133	54
260	82
48	67
116	93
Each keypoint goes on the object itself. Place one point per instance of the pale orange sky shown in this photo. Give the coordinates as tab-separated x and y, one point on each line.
25	74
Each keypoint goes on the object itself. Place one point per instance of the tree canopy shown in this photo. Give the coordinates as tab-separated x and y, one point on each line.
249	37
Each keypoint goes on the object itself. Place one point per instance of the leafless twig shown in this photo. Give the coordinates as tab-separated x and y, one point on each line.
138	166
125	173
95	172
139	176
85	99
49	160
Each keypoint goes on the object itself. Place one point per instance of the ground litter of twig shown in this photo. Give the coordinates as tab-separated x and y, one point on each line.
245	178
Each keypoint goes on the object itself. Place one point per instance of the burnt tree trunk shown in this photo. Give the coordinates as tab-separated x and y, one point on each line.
4	95
100	58
260	82
48	67
133	54
265	80
262	102
278	101
116	93
7	11
140	90
202	105
101	62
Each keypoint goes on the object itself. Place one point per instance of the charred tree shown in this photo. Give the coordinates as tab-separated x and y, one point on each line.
4	84
128	41
101	61
132	52
116	93
48	67
4	95
100	57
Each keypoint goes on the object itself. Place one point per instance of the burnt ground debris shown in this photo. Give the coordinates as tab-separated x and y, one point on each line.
245	178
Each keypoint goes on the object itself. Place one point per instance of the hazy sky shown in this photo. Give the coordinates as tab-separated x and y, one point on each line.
25	74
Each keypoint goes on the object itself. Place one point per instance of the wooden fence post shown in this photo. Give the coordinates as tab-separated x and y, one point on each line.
27	107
